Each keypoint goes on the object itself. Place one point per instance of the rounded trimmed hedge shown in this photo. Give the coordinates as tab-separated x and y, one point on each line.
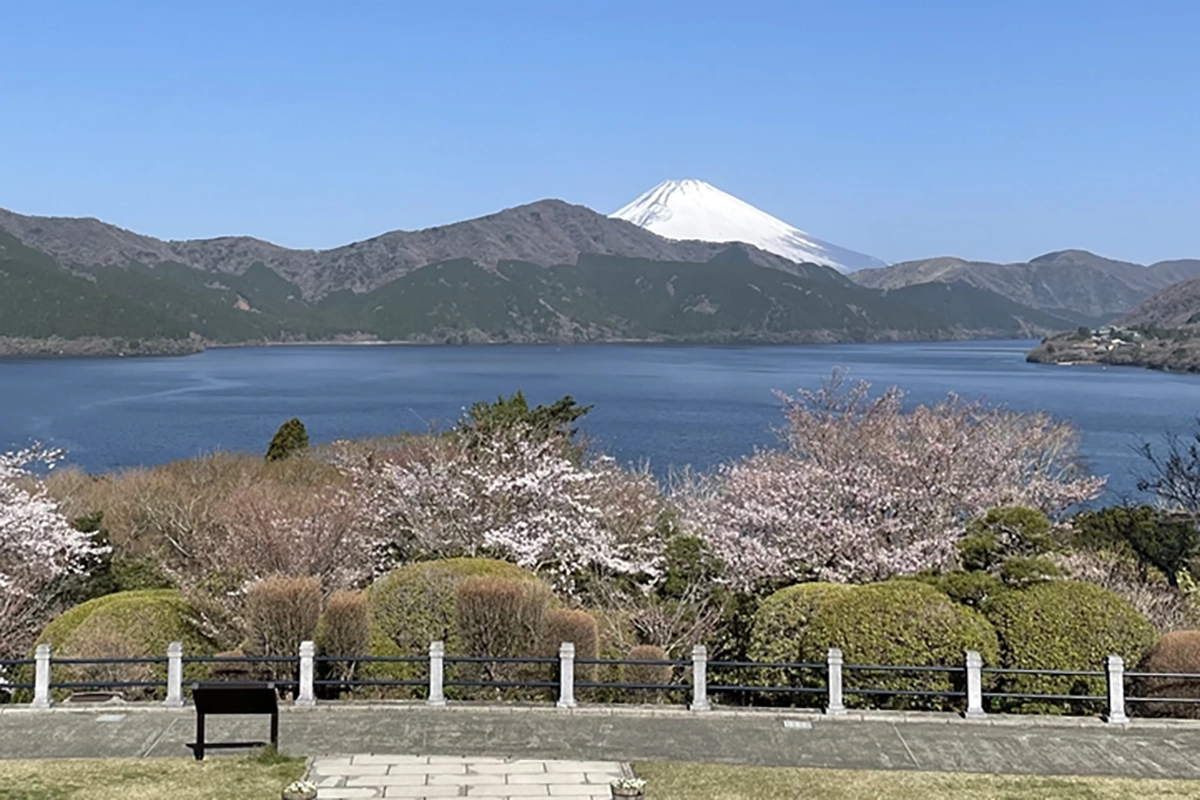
416	604
899	622
1064	625
135	624
151	618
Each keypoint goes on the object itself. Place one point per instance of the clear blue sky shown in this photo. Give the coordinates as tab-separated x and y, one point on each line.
901	128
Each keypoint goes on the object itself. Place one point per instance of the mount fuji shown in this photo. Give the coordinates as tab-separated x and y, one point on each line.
692	209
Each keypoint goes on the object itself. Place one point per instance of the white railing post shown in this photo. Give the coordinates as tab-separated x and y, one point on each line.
974	686
835	707
174	675
41	676
700	679
566	673
437	674
307	698
1115	667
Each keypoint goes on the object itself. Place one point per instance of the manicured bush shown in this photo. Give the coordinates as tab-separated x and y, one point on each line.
136	624
1177	652
280	614
344	631
900	622
415	605
571	625
647	673
580	628
500	618
412	606
1064	625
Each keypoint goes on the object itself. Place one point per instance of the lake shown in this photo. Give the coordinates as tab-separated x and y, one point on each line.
669	406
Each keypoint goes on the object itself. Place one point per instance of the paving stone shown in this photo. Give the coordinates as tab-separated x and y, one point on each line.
421	791
347	794
385	759
427	769
548	777
357	769
510	768
392	780
467	780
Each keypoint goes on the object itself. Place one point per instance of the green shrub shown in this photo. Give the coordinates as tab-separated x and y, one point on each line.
899	622
126	625
1177	652
412	606
1064	625
778	635
415	605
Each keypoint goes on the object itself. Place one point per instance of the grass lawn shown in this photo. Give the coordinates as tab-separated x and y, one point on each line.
720	782
216	778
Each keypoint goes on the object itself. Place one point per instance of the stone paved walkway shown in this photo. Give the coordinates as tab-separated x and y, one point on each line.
460	776
1021	746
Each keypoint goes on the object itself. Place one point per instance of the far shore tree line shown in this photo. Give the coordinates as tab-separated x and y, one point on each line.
902	535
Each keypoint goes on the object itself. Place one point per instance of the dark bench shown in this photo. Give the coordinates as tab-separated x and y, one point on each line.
233	697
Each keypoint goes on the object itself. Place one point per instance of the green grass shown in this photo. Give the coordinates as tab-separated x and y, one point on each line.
216	778
721	782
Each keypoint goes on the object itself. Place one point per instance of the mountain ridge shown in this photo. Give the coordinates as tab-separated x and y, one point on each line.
1075	283
545	232
577	276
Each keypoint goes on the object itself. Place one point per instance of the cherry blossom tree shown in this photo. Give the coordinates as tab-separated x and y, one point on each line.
513	495
863	490
39	550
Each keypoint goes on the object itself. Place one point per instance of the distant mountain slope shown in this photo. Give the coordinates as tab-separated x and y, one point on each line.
611	297
1177	307
580	277
1073	284
692	209
39	300
545	233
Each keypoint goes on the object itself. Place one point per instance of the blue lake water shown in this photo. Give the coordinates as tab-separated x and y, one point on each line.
667	405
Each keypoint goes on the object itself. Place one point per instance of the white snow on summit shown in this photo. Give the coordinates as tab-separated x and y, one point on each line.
692	209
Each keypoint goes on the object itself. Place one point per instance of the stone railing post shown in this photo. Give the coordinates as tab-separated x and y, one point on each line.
835	706
437	674
974	686
307	698
174	675
1115	667
700	679
41	676
566	672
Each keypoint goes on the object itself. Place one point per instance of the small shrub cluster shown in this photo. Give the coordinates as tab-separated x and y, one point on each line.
1064	625
138	624
900	622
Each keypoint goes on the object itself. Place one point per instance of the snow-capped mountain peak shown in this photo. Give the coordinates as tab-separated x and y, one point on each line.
693	209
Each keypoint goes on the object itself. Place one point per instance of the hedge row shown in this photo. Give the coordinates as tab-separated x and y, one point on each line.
1055	625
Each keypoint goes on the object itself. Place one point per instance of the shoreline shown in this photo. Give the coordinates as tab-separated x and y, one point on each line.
20	349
